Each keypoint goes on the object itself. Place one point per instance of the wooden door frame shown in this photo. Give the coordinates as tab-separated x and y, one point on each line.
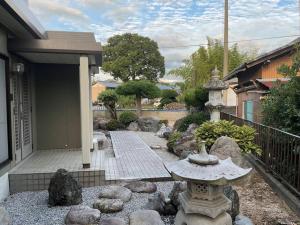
8	111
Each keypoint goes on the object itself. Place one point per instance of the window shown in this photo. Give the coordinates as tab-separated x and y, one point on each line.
248	110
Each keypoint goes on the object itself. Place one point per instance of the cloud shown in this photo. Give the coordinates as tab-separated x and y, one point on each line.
174	23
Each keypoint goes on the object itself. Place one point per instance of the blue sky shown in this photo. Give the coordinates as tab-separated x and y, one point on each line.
174	23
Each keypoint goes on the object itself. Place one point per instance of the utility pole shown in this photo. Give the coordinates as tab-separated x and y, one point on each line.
225	63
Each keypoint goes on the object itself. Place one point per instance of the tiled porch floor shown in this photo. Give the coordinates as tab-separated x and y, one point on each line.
129	158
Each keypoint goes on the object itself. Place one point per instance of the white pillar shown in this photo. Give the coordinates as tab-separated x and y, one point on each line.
84	110
91	112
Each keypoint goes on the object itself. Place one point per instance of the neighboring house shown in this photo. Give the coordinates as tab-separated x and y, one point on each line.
255	78
101	86
45	100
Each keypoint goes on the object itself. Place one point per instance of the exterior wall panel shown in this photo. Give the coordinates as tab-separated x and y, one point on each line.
96	90
57	106
269	71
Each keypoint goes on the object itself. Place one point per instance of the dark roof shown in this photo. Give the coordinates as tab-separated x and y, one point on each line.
262	58
166	87
109	84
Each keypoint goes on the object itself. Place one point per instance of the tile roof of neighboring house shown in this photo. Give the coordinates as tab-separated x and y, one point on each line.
263	58
109	84
166	87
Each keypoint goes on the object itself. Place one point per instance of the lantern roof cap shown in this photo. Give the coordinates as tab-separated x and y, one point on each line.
215	83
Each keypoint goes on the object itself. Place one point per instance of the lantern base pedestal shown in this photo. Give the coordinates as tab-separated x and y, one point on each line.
195	219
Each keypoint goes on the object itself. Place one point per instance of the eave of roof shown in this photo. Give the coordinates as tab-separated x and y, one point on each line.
262	58
20	12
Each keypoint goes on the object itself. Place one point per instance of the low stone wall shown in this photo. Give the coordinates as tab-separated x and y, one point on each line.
170	115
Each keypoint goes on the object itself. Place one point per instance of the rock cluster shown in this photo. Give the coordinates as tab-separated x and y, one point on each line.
64	190
149	124
164	131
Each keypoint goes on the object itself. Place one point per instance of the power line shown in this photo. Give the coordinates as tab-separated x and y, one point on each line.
232	42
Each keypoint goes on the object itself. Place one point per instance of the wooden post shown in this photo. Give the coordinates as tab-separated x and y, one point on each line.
84	110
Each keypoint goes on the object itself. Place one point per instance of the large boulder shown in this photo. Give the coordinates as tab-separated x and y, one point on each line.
242	220
225	147
100	123
82	215
133	126
164	131
184	145
233	196
178	187
159	203
113	221
141	187
145	217
107	205
4	217
64	190
149	124
116	192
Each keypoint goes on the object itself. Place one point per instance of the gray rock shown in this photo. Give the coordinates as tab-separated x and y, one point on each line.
192	128
4	217
149	124
133	126
178	187
116	192
106	205
184	145
141	187
101	140
145	217
225	147
100	123
113	221
233	196
184	154
64	190
83	215
285	222
242	220
158	203
164	130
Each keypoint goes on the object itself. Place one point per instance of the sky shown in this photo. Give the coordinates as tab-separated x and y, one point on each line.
178	26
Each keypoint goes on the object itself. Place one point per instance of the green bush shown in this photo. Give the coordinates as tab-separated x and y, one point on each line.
196	98
174	137
114	125
109	99
243	135
197	118
167	97
127	117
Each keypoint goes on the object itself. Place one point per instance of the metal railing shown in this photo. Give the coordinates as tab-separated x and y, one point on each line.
280	152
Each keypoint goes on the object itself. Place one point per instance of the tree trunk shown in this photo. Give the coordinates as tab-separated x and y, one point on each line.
139	105
112	112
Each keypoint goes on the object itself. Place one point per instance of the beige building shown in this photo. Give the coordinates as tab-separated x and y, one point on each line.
101	86
45	91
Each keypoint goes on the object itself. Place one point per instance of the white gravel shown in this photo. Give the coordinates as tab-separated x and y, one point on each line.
30	208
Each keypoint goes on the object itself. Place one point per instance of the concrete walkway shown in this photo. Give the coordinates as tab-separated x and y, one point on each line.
134	159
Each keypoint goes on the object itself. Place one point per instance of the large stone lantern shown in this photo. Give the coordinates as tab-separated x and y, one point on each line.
215	87
204	203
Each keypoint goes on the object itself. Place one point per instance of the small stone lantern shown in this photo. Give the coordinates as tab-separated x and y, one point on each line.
204	203
215	87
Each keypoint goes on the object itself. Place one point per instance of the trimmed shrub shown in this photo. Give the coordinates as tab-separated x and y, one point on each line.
174	137
243	135
127	117
114	125
196	98
197	118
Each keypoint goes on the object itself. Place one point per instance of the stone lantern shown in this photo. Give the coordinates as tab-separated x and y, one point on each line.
204	203
215	87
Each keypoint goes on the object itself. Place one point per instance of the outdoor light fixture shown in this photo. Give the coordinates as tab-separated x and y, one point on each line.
18	68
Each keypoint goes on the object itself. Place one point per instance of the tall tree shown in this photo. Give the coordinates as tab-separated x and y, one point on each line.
196	70
140	89
131	57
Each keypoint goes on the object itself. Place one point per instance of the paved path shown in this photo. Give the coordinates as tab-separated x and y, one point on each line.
134	159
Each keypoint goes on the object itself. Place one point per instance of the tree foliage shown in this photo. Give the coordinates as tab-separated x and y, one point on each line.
109	99
140	89
130	57
196	98
167	97
281	108
196	70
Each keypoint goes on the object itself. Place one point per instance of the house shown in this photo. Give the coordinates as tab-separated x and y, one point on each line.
255	78
45	77
101	86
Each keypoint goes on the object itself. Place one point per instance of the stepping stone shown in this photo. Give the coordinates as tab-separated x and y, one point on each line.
116	192
106	205
145	217
82	215
113	221
142	187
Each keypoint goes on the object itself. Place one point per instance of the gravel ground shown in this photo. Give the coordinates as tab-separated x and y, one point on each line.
30	208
